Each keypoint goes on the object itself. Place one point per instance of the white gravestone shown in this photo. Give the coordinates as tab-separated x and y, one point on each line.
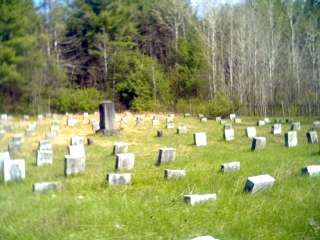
261	123
258	143
166	155
316	124
200	139
170	123
230	167
312	170
204	119
312	137
14	170
276	129
42	187
77	150
232	116
44	157
266	120
73	165
259	183
182	130
199	198
251	132
291	139
174	173
124	161
119	178
71	122
228	134
120	147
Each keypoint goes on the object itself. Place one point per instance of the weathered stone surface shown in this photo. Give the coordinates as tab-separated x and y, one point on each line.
120	147
174	173
4	156
291	139
166	155
312	137
199	198
228	134
295	126
261	123
107	118
259	183
119	178
15	143
312	170
204	238
73	164
77	140
182	130
43	187
258	143
251	132
14	170
200	139
232	116
230	167
276	129
124	161
155	122
44	157
159	133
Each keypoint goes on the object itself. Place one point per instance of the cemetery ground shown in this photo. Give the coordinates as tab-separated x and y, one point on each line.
152	207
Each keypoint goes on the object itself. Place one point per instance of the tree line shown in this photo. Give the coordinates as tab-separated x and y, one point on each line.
256	57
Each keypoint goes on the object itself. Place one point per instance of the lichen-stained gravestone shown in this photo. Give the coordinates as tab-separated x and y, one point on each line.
107	118
230	167
199	198
251	132
312	137
291	139
4	156
120	147
166	155
182	130
312	170
295	126
119	178
276	129
259	183
200	139
258	143
14	170
174	173
124	161
43	187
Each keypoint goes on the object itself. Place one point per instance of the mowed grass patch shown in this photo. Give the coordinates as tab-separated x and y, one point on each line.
151	207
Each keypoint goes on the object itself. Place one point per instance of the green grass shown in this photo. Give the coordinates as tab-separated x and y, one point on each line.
152	208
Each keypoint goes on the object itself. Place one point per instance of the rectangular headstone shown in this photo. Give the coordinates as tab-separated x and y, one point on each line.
170	123
200	139
77	150
267	120
251	132
14	170
124	161
204	119
230	167
295	126
312	137
43	187
155	122
276	129
120	147
261	123
182	130
166	155
107	117
174	173
312	170
316	124
259	183
119	178
233	116
291	139
45	145
44	157
258	143
199	198
228	134
73	164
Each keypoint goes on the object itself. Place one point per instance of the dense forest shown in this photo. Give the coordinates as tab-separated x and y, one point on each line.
256	57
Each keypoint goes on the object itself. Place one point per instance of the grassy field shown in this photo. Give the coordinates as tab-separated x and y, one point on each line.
152	208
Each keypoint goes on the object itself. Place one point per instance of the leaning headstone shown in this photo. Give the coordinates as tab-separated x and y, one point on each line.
228	134
276	129
124	161
14	170
73	164
199	198
119	178
166	155
159	133
232	116
182	130
291	139
312	137
43	187
258	143
4	156
44	157
259	183
204	238
295	126
251	132
107	117
312	170
261	123
230	167
174	173
200	139
120	147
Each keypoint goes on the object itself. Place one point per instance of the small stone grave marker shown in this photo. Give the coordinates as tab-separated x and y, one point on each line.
174	173
43	187
199	198
119	178
166	155
44	157
124	161
259	183
312	137
159	133
291	139
73	164
120	147
230	167
200	139
182	130
251	132
276	129
232	116
295	126
312	170
14	170
228	134
258	143
261	123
